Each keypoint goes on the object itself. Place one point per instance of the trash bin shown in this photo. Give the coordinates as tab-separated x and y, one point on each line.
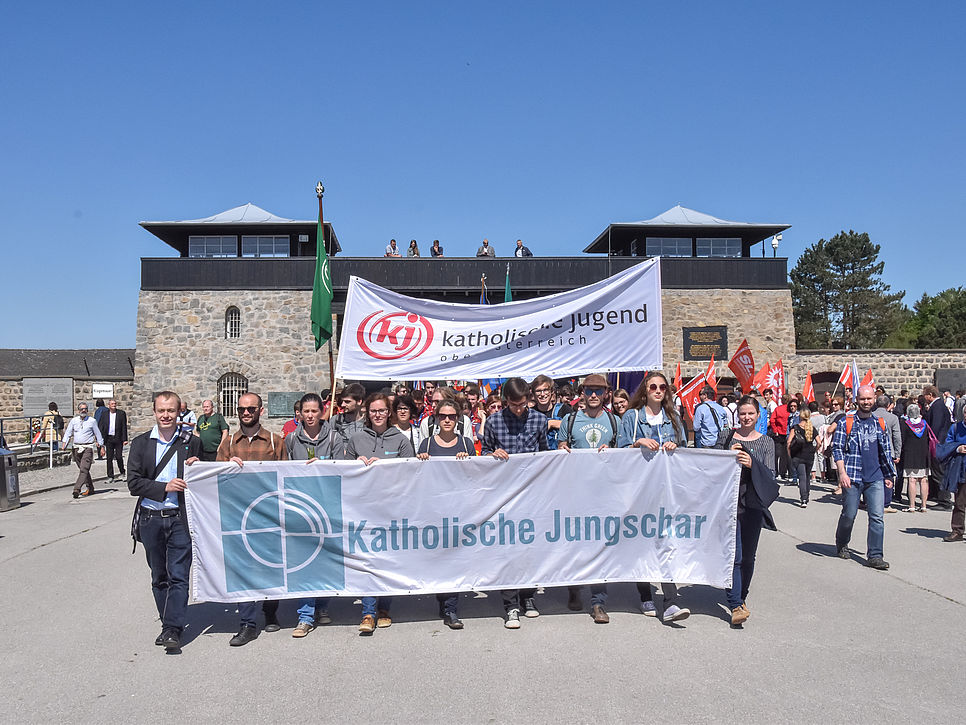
9	481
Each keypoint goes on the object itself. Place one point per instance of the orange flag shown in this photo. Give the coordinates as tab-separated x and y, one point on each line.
808	392
742	364
869	378
677	379
710	376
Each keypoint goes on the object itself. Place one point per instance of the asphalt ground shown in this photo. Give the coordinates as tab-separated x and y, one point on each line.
828	640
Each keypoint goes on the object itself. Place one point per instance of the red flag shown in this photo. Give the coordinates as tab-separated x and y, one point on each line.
742	364
710	377
761	378
677	378
808	392
869	379
845	379
776	380
689	393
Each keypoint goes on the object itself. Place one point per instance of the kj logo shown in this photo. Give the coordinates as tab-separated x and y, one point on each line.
394	335
284	533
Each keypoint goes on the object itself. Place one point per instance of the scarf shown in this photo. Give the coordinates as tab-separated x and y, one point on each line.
916	425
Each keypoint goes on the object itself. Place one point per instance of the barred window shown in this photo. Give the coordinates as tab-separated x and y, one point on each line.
232	323
231	386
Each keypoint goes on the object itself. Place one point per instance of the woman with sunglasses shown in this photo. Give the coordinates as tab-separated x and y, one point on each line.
447	443
405	411
377	440
652	422
749	443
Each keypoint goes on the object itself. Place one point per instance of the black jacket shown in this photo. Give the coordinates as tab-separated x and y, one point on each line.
141	462
938	419
120	425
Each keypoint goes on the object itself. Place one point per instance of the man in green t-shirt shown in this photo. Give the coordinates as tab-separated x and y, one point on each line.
212	429
594	428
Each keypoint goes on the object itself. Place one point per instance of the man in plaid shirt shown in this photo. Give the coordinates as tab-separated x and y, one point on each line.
863	457
515	429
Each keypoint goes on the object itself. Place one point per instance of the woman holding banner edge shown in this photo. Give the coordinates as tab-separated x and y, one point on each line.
652	422
377	440
447	443
752	447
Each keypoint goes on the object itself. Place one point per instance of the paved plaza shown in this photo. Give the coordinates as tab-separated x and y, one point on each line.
828	640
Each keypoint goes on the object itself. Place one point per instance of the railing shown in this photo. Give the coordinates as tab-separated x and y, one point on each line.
534	275
23	434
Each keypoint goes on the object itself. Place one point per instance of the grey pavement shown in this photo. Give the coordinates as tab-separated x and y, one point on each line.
41	480
828	640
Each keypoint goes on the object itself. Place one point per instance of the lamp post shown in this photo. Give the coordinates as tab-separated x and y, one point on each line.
774	244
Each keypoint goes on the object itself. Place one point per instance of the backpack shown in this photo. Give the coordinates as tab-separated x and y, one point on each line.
849	420
58	421
570	428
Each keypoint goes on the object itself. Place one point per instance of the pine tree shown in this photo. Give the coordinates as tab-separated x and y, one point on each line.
839	298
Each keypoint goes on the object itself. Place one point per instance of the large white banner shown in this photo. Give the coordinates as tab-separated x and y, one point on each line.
610	326
291	529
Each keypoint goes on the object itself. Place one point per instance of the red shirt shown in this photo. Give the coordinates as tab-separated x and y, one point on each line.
779	420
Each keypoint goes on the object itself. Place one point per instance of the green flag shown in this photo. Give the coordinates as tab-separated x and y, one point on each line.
507	295
321	290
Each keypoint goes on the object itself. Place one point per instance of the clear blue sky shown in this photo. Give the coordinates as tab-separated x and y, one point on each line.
539	120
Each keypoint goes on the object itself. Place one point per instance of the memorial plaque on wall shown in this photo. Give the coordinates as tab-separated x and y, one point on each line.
280	404
951	379
39	392
700	343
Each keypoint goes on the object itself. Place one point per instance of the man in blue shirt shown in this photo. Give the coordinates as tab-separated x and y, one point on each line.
863	457
709	419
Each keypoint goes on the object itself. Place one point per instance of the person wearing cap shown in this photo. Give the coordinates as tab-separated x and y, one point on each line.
592	428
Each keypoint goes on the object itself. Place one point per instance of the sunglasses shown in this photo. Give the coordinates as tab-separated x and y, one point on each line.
594	391
448	416
654	386
248	409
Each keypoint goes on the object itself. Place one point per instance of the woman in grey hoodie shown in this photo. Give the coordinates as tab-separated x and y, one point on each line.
377	440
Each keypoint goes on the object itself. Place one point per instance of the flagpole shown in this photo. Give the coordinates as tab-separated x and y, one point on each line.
319	190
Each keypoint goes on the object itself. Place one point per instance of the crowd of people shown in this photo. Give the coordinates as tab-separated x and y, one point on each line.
436	250
868	444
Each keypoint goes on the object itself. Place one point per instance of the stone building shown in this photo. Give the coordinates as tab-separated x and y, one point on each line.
30	379
231	312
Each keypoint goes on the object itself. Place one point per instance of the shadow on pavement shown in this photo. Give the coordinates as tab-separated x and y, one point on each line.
816	549
925	533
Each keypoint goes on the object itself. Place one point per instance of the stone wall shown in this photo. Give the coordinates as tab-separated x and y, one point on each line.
763	317
181	345
893	369
11	400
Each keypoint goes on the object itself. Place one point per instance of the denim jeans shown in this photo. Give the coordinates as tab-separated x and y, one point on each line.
874	495
167	547
747	533
802	473
308	606
449	604
370	605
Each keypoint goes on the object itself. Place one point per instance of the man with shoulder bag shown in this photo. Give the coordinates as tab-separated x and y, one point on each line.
155	474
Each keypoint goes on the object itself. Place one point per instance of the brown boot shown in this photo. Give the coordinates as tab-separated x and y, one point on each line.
368	625
739	615
599	615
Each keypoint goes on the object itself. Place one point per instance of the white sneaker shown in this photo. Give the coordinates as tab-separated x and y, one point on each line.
674	613
648	608
512	619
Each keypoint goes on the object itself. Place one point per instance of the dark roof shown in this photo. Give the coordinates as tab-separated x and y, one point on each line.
679	221
244	219
80	364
